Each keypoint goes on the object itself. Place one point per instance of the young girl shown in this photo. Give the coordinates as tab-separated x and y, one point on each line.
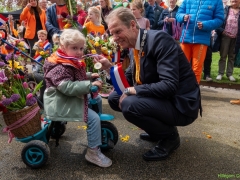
138	10
94	24
65	98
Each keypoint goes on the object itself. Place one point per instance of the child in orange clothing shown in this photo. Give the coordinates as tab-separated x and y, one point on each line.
94	24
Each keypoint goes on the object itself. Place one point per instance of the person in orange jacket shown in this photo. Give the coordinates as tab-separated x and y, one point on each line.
35	19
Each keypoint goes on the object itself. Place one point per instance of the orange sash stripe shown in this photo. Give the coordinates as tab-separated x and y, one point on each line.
137	62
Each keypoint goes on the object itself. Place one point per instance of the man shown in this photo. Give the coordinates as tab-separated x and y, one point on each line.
55	22
43	4
157	12
149	14
164	92
200	17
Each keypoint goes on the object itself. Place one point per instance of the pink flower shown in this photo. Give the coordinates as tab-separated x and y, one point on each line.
3	77
29	96
25	85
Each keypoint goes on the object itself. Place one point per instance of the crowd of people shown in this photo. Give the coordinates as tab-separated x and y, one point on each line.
168	46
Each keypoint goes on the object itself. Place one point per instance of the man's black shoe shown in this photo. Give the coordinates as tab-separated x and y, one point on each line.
163	149
147	137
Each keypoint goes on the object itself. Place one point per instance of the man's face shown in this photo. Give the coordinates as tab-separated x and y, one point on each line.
43	4
123	35
151	1
172	2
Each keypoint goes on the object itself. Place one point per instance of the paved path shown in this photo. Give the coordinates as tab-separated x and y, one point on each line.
198	157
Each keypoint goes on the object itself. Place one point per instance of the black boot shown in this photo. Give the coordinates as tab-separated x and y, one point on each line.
163	148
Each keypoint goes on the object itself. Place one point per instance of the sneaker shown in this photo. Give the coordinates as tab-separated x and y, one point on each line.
98	158
219	77
231	78
208	78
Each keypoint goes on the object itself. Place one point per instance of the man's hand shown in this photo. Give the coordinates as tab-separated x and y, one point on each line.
200	25
121	99
186	17
171	19
104	61
166	19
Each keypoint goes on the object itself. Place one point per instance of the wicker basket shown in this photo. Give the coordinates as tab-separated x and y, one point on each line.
31	127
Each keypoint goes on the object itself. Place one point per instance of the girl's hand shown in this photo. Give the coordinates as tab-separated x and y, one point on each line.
94	75
98	84
29	5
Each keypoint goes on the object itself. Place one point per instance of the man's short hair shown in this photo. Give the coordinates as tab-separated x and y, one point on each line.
125	15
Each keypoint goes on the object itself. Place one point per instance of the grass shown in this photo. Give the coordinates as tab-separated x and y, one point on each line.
214	71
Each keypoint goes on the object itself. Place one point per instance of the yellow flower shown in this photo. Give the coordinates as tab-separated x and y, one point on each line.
16	65
125	138
21	44
93	51
96	44
67	26
42	53
91	41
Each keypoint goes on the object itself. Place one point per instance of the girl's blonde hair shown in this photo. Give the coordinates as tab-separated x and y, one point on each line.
139	5
96	11
71	36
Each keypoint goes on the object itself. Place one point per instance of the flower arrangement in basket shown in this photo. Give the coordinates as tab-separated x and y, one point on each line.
18	104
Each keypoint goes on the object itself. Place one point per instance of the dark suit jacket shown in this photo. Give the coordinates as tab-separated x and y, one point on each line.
165	73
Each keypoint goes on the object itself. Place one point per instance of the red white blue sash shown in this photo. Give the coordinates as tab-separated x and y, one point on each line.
38	58
116	57
118	78
46	45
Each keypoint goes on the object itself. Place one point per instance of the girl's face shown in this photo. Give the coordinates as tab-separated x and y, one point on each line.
136	12
75	50
172	2
92	16
234	2
42	37
33	3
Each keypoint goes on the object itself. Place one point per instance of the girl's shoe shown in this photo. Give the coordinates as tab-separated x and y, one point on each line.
98	158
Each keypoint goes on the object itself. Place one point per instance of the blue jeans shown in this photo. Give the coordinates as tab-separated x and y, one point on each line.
94	125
